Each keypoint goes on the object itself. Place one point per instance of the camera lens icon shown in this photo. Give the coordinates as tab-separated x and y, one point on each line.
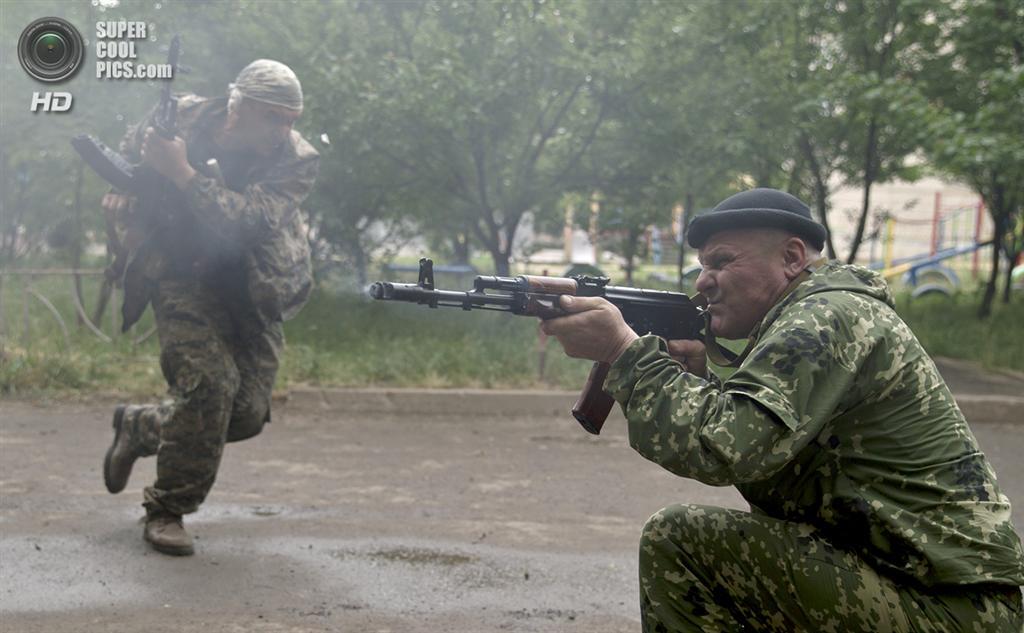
51	49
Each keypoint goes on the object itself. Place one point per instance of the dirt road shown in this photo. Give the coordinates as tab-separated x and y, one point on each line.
331	522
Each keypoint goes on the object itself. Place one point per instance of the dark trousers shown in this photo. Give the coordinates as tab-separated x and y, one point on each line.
220	361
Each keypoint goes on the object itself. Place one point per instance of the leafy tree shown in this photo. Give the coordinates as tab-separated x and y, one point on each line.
666	141
451	122
489	108
878	46
976	85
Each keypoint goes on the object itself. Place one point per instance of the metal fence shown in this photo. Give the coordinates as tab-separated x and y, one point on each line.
24	284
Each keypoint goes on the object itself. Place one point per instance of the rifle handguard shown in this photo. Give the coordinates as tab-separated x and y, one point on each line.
594	404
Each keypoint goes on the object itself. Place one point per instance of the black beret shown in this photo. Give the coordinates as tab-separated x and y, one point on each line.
758	208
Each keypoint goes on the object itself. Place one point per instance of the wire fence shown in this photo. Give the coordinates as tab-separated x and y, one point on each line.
35	303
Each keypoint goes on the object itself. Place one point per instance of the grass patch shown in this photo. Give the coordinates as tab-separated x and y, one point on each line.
87	364
349	340
949	326
337	340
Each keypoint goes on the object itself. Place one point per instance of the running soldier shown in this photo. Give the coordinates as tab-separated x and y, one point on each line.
230	265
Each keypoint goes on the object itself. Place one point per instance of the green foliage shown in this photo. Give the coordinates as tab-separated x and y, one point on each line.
977	130
452	122
948	326
483	109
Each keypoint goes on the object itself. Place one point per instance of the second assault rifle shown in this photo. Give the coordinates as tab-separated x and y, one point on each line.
670	315
155	193
113	167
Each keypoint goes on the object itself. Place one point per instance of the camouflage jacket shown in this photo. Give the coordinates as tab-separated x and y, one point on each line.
838	418
238	225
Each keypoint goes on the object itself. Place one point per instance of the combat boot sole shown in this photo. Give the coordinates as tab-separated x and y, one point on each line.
117	464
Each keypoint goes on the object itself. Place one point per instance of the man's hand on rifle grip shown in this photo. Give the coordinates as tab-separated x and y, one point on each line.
691	354
593	328
168	157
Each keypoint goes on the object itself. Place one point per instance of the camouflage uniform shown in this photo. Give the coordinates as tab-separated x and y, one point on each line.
872	507
221	278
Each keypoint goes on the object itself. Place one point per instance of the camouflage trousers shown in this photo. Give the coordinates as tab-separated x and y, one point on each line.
220	362
704	568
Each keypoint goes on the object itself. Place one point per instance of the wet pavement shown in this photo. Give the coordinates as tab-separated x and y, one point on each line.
349	522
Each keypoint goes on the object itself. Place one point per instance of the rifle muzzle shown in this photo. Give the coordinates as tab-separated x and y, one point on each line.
389	291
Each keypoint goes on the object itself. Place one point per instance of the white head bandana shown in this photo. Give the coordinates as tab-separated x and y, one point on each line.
270	82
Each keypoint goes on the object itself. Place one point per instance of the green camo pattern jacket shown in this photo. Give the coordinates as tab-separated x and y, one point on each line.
837	418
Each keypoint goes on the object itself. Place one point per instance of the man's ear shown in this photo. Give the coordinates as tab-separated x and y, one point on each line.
231	120
235	113
794	257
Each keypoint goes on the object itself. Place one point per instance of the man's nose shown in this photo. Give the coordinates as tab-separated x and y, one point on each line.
704	282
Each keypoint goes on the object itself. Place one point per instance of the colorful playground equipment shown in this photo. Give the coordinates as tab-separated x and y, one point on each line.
956	233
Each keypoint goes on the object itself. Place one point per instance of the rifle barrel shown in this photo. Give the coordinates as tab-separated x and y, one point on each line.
413	293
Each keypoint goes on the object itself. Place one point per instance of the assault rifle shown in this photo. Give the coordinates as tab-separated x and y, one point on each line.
155	193
670	315
113	167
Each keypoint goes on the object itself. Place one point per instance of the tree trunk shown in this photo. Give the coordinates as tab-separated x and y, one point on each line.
685	225
985	309
361	265
869	178
594	231
1008	282
107	287
498	256
460	248
491	237
501	264
3	321
632	236
76	244
102	299
820	192
995	207
1013	251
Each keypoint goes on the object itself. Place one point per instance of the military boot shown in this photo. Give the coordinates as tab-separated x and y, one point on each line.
166	534
117	465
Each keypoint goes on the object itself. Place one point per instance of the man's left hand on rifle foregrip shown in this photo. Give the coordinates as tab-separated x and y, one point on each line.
592	328
691	354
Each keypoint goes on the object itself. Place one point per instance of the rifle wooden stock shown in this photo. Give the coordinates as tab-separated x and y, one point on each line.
594	404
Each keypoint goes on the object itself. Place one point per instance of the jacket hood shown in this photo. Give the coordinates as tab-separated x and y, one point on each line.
835	276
